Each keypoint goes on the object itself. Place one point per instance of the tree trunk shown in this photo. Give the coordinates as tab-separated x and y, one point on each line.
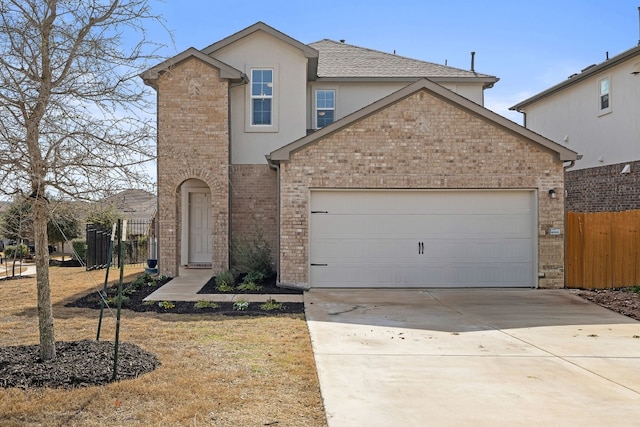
45	312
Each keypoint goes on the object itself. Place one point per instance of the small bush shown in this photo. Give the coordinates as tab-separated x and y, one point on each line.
113	301
79	250
254	277
18	251
241	305
271	305
225	281
167	305
143	280
206	304
249	286
252	255
635	289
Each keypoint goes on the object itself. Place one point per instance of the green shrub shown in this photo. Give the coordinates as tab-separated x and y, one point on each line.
271	305
206	304
635	289
142	281
254	277
252	255
167	305
113	301
249	286
241	305
79	250
18	251
225	281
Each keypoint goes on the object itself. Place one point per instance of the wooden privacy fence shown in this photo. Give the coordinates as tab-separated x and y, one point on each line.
603	249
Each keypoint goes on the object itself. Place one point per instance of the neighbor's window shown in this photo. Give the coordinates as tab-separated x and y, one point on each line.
605	95
261	97
325	107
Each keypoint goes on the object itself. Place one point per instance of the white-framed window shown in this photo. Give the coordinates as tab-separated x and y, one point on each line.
604	95
325	107
261	97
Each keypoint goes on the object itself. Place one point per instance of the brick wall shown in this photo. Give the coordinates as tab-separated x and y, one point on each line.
420	142
254	203
193	142
603	189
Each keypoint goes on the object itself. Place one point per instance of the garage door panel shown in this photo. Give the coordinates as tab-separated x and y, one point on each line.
428	238
353	275
511	250
407	226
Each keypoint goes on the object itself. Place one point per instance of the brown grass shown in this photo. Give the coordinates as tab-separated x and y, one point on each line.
216	370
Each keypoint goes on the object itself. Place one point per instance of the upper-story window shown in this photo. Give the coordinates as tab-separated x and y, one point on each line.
261	97
325	107
604	101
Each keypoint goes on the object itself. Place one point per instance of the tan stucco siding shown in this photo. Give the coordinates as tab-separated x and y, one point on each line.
260	50
420	142
572	118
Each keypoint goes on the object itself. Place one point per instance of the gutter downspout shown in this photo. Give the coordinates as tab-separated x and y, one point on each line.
243	82
276	166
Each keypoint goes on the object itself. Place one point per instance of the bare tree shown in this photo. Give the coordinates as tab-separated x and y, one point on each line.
73	118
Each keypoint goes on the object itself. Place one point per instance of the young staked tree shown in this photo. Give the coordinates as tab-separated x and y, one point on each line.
73	116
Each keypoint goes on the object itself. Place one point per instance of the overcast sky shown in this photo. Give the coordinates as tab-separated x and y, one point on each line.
530	45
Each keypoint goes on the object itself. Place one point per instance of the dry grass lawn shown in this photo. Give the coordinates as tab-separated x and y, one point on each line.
216	370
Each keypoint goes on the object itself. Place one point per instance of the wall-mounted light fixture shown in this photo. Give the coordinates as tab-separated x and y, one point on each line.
552	193
626	169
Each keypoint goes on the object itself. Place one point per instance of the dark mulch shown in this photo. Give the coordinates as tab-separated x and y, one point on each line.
77	364
135	302
621	300
268	287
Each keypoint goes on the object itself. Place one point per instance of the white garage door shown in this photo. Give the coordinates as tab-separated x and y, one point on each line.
472	238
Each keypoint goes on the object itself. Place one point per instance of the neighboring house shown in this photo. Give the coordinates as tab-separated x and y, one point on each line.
597	114
133	204
357	169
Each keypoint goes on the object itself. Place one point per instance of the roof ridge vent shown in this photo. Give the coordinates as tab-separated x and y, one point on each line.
586	68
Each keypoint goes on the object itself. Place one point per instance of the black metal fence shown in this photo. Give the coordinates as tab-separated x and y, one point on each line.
139	246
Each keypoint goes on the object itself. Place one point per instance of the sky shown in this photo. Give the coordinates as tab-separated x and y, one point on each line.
530	45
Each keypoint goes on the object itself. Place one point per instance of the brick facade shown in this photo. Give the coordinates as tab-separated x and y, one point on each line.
421	142
193	142
254	203
603	189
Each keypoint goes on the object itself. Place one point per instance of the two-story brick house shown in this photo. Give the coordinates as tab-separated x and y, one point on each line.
358	170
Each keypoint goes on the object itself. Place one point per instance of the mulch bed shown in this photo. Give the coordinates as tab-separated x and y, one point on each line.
625	301
77	364
135	302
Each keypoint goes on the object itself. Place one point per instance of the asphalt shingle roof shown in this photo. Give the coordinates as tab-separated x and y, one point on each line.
341	60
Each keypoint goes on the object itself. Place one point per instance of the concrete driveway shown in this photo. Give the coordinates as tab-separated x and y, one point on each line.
482	357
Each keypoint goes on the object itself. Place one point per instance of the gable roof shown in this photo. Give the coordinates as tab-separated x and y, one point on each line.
133	204
310	53
341	61
150	76
576	78
284	153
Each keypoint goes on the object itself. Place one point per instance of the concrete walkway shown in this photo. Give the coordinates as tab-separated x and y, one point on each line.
185	287
29	271
481	357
